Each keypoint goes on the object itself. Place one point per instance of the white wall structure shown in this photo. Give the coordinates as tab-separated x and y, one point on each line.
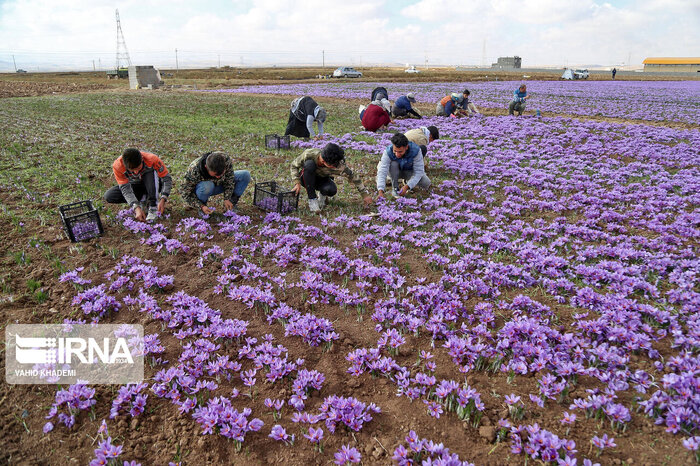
144	77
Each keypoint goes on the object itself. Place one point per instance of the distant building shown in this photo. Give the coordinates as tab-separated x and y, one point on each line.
672	64
507	63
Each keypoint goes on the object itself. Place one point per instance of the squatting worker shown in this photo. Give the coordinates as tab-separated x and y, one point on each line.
141	176
376	116
465	107
518	103
402	159
455	104
212	174
314	169
448	105
302	114
423	136
402	106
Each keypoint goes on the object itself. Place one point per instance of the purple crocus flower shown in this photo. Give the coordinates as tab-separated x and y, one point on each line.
314	435
347	455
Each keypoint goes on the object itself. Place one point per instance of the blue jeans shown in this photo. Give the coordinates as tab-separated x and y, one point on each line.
206	189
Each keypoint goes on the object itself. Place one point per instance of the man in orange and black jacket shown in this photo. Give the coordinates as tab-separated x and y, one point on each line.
140	174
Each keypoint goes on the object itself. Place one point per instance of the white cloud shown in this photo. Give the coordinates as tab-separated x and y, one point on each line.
543	11
445	10
542	32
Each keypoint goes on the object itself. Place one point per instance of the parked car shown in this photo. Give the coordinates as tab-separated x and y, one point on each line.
580	74
346	72
412	69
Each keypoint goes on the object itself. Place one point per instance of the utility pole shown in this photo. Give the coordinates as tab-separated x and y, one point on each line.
177	66
219	55
323	52
93	66
15	63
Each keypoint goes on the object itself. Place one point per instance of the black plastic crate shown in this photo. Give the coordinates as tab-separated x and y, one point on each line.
273	141
268	196
81	221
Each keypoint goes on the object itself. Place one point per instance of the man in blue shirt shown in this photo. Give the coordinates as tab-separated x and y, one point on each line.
518	102
402	106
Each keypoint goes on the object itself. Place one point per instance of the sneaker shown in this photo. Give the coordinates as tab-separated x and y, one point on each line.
152	214
395	193
313	205
321	201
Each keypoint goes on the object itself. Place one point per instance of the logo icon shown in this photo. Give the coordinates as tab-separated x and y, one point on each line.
32	350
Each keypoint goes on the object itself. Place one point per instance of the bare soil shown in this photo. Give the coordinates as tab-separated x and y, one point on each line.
156	436
28	89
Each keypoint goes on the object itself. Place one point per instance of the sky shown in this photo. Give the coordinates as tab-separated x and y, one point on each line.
50	35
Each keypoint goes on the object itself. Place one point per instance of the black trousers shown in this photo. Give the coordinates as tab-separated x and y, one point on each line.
296	127
312	182
145	187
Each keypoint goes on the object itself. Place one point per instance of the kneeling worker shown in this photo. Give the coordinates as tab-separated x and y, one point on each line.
212	174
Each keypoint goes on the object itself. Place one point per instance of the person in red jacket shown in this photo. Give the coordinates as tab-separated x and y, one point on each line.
374	117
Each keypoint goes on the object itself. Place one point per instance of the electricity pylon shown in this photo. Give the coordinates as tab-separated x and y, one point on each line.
121	44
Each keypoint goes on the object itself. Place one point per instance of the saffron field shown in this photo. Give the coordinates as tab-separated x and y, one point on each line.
670	101
539	304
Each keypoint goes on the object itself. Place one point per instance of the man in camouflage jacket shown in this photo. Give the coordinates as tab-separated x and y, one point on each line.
212	174
315	168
